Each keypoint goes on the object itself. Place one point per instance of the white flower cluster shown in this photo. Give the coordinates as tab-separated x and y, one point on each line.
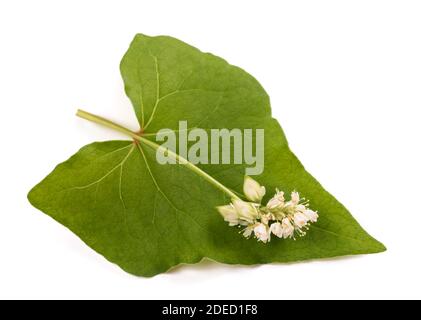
284	219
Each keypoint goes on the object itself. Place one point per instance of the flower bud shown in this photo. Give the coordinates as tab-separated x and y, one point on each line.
229	213
295	198
311	215
245	210
300	219
262	232
253	190
276	229
277	201
287	228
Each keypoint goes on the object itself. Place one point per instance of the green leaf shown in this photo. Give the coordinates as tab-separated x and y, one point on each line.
147	217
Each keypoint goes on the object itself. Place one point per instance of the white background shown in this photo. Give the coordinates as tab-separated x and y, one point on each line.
345	82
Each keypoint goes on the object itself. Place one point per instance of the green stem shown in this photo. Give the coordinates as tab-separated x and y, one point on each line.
107	123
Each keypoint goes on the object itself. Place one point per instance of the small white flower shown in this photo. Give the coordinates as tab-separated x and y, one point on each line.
276	229
248	231
311	215
287	228
277	201
295	198
262	232
301	208
265	218
300	219
230	214
284	219
253	190
245	210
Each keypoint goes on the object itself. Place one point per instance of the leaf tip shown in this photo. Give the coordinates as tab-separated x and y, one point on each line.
31	196
376	246
381	247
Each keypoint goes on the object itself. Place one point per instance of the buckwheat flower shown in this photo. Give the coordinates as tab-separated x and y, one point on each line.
245	210
262	233
300	219
287	228
301	208
311	215
277	201
276	229
265	218
295	198
253	190
247	232
280	217
230	214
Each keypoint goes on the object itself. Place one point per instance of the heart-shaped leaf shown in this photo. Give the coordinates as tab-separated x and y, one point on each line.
148	217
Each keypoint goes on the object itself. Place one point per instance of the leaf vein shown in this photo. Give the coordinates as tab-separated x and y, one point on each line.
103	177
165	196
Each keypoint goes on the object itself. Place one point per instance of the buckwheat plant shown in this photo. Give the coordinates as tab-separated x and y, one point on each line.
284	219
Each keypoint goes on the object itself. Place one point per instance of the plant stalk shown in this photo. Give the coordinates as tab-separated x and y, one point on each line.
181	160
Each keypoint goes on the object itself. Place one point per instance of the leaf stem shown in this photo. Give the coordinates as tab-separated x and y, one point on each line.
181	160
107	123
